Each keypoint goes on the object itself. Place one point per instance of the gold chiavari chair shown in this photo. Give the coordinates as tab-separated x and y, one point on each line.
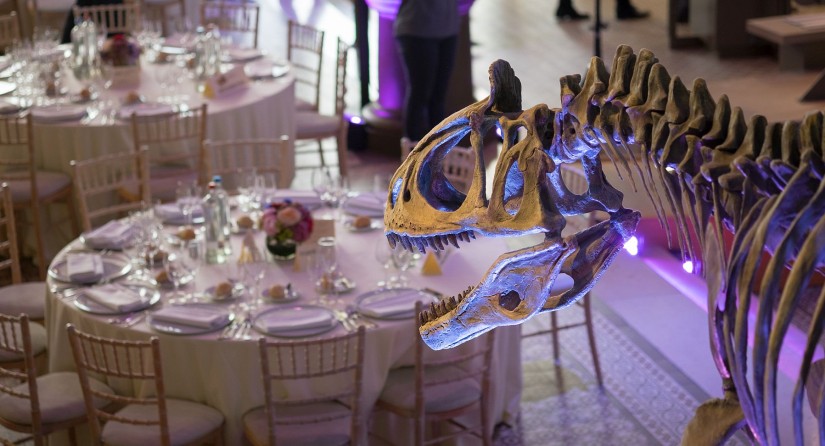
31	188
110	186
120	18
153	419
305	51
176	143
32	404
441	387
232	17
311	419
161	12
9	30
233	158
312	125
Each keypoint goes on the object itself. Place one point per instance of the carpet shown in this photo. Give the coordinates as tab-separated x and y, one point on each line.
646	400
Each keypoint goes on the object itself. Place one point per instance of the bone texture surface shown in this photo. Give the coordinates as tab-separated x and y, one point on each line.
697	158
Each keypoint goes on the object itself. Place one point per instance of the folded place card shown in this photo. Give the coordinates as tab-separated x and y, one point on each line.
220	83
115	297
295	320
114	232
84	267
195	316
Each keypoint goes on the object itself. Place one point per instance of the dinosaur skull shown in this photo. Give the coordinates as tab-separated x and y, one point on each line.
425	210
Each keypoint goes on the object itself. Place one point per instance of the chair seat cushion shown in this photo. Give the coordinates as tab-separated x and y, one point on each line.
311	125
48	184
399	389
27	297
61	399
335	432
38	337
188	421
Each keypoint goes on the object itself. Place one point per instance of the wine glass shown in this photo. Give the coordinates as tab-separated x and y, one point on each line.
322	267
179	266
402	260
188	195
252	272
383	254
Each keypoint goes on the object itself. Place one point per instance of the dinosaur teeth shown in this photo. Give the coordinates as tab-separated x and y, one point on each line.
452	239
392	239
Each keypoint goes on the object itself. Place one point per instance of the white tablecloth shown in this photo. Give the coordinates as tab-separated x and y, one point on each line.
261	110
226	374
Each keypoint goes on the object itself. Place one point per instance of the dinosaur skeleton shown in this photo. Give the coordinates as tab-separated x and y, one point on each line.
700	162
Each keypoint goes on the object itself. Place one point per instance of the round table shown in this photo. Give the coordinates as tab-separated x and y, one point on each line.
225	374
261	109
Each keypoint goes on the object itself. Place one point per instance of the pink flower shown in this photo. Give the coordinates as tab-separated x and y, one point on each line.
289	216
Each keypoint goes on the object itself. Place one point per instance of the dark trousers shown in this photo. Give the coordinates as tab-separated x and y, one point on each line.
428	64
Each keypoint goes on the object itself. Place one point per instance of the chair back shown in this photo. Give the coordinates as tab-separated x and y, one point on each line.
119	18
338	360
232	17
459	166
15	340
158	12
341	77
8	245
110	186
175	143
232	159
114	360
9	30
305	51
17	150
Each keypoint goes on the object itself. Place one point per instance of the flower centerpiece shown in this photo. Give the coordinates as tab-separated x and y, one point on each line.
121	54
286	224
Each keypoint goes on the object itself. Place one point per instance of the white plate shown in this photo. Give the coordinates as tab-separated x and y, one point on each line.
404	295
241	54
58	113
115	265
185	280
262	69
7	87
237	291
111	246
289	297
374	224
183	329
293	312
368	204
148	298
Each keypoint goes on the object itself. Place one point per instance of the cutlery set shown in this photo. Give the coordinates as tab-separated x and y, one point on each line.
238	330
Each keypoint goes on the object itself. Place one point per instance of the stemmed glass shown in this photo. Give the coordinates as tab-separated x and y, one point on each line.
403	260
330	187
180	265
188	195
323	268
252	273
102	78
383	254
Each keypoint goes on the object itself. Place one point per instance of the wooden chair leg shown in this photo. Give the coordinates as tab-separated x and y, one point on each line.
591	337
486	429
72	214
38	230
341	143
321	153
72	436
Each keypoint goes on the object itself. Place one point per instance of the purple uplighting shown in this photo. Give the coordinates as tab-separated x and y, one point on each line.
632	246
687	265
357	120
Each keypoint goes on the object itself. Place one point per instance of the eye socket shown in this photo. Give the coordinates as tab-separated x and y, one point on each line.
509	300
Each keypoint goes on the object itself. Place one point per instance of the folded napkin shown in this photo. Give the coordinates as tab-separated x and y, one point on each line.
115	297
365	204
280	321
8	106
58	112
194	316
242	54
394	305
179	40
171	212
84	267
264	68
307	198
113	233
145	110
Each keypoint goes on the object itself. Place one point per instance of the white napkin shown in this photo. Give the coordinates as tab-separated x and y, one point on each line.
281	321
400	303
242	54
113	233
84	267
264	68
366	204
145	110
171	212
179	40
58	112
195	316
115	297
307	198
8	106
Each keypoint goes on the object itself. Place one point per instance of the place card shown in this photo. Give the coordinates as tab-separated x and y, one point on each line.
220	83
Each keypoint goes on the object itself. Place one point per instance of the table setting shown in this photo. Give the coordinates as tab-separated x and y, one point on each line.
208	313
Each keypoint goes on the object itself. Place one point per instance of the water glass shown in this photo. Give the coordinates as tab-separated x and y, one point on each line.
402	260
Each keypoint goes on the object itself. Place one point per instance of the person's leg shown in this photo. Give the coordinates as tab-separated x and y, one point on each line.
626	11
420	58
443	69
565	11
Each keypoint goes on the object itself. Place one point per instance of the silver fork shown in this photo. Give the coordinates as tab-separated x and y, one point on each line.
229	331
344	318
356	320
243	332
